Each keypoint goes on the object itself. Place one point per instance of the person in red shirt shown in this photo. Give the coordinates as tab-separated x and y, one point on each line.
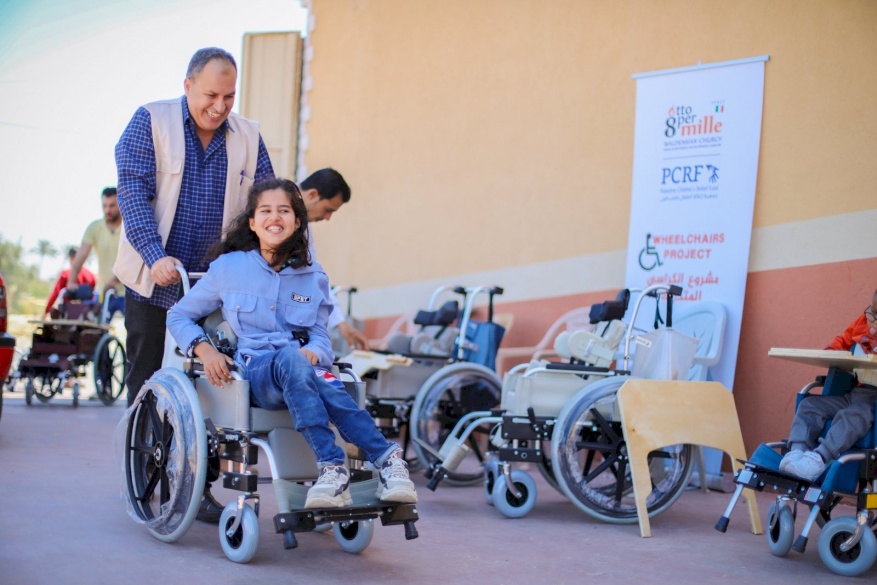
852	414
85	277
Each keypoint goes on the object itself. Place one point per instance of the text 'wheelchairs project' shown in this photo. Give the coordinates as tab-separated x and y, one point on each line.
423	384
563	418
847	544
180	425
62	348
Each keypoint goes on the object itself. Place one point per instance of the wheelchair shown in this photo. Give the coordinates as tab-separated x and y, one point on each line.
563	418
423	384
846	544
62	347
179	427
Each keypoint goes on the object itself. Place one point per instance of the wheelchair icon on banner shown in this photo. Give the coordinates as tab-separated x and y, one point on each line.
649	258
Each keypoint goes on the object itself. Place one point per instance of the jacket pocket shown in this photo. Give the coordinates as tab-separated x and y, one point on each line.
302	316
241	309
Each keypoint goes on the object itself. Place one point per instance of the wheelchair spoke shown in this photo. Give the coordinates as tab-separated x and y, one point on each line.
607	462
149	488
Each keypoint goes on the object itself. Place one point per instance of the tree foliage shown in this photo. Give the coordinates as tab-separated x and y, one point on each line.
26	293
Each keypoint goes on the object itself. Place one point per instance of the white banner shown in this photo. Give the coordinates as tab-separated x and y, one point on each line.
694	168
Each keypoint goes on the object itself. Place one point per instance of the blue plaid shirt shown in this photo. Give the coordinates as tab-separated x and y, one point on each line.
198	220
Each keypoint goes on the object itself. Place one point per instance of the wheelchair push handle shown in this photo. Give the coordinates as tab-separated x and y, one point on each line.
184	278
655	291
472	293
336	290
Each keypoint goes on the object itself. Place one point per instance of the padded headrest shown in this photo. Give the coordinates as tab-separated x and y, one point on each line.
443	316
610	310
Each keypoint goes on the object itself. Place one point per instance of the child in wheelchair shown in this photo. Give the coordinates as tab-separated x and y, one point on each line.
276	301
852	414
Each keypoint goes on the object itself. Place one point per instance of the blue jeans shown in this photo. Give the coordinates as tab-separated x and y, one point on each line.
314	397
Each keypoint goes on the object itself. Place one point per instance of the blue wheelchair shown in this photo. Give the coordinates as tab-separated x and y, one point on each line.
847	544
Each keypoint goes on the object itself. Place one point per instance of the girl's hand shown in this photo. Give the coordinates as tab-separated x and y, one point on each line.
311	356
216	364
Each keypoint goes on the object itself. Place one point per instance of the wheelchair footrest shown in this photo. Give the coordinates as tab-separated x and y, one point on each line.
306	520
761	479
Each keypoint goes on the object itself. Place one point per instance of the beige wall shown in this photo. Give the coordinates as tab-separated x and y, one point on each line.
486	134
490	141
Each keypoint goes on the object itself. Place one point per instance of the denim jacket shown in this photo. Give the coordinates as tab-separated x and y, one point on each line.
263	307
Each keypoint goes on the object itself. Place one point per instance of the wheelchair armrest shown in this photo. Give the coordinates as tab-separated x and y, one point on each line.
577	368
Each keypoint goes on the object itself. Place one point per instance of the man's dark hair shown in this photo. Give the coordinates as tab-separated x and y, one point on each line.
203	56
328	183
108	192
71	252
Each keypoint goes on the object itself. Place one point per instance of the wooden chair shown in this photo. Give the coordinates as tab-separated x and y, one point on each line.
657	413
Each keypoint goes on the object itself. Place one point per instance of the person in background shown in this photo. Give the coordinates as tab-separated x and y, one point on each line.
102	236
84	276
324	192
852	414
185	166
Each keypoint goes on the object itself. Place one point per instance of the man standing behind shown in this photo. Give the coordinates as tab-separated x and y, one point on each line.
102	236
185	166
324	192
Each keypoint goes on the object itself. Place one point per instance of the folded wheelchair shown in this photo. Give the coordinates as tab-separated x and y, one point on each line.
423	384
563	418
846	542
181	429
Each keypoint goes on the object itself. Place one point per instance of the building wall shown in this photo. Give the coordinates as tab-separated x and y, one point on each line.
490	141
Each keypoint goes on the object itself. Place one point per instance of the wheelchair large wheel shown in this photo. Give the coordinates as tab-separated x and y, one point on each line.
354	537
239	547
109	369
780	531
165	455
589	458
444	398
852	562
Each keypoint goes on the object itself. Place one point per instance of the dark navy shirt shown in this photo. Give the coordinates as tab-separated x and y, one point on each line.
198	220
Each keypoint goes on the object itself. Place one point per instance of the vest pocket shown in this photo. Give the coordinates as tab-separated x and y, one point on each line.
168	164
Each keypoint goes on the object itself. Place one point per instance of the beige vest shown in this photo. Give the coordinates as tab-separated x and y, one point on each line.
242	149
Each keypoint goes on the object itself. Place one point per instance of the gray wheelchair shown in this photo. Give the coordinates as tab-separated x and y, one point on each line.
563	418
181	431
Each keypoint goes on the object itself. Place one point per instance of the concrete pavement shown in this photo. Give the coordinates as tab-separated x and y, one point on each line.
64	522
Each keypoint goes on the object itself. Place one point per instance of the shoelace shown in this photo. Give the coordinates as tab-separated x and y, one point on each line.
330	475
396	468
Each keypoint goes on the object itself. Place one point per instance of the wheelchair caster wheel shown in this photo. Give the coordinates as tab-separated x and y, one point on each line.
780	531
354	537
507	503
239	546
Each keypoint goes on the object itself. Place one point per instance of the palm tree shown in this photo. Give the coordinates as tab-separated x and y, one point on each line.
44	248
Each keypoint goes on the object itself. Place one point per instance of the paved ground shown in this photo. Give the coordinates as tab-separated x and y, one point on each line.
64	523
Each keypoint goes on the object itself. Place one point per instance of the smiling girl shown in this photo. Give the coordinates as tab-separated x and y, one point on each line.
275	298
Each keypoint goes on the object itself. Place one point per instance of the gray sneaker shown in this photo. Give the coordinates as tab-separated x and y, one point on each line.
395	485
789	458
331	489
810	466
